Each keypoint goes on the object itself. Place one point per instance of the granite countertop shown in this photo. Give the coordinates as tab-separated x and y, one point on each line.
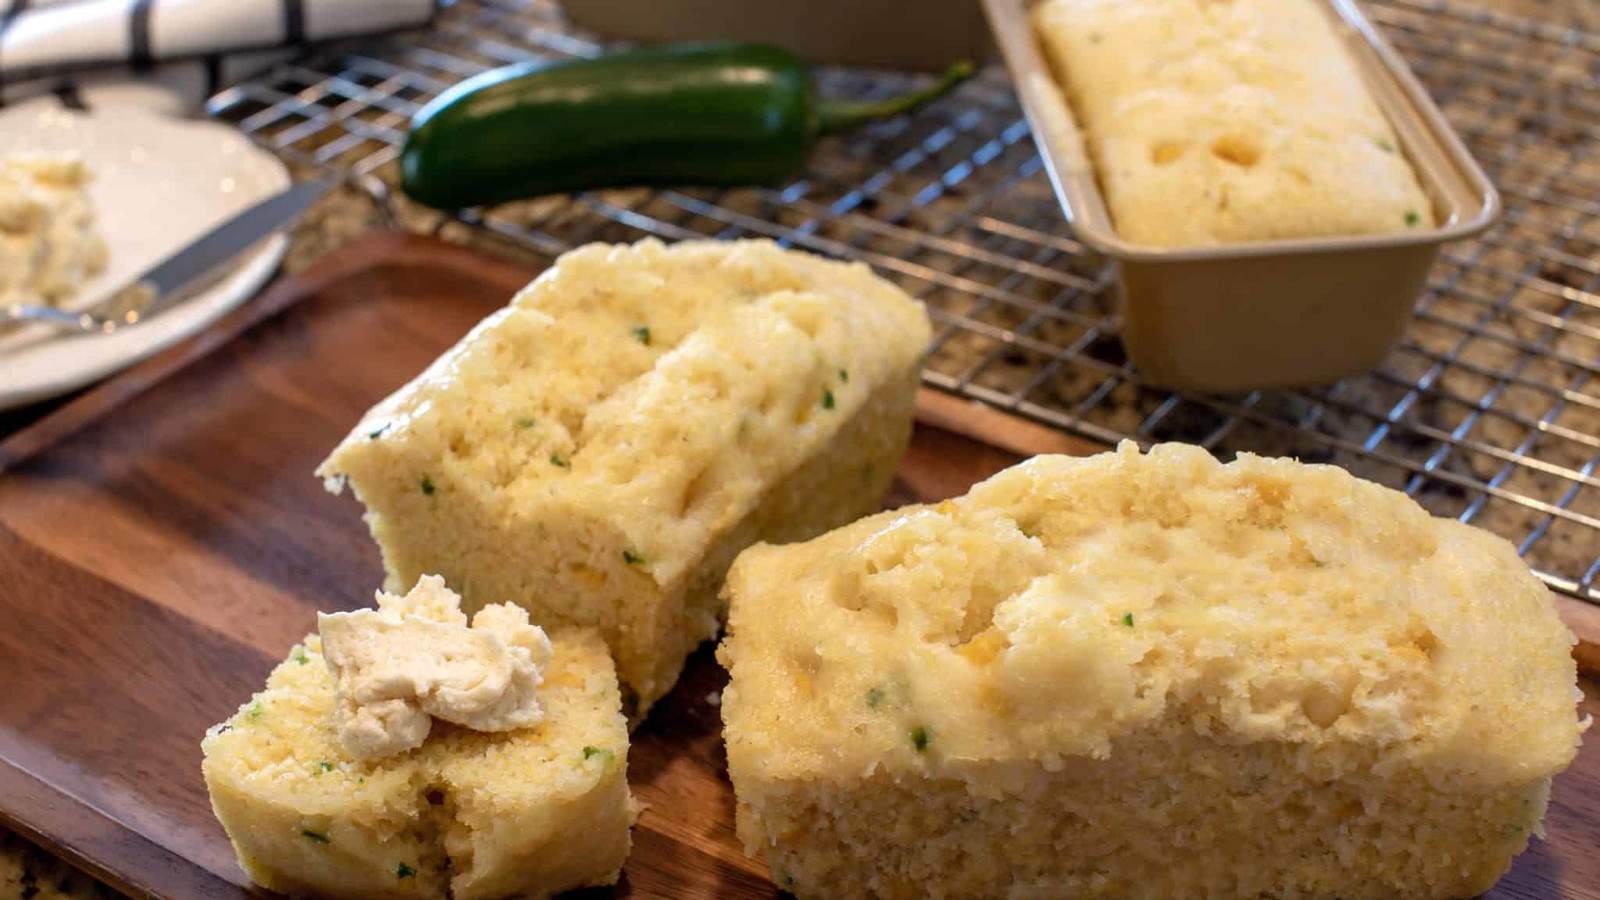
29	873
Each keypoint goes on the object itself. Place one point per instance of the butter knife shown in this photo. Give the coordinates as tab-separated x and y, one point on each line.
180	275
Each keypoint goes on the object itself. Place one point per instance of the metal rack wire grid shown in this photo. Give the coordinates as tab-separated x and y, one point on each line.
1488	411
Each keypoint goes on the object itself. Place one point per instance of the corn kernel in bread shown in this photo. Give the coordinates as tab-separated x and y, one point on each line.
1145	676
1217	123
602	448
466	815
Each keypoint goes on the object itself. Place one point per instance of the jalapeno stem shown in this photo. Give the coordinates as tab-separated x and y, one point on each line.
834	116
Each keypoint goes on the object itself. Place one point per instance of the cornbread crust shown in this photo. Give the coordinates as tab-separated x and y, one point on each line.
468	815
1216	123
1145	675
599	450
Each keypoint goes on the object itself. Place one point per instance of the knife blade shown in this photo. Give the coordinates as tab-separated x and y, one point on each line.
167	280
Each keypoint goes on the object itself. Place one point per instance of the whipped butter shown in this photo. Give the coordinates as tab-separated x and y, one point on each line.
415	659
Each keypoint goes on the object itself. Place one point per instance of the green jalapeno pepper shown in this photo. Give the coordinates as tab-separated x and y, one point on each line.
704	114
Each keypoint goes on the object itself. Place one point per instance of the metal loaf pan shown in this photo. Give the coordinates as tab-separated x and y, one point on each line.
1272	313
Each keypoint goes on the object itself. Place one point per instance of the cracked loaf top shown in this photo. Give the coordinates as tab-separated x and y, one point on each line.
1215	123
662	387
1067	602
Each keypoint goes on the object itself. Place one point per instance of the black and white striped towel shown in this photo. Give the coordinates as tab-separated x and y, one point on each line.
42	42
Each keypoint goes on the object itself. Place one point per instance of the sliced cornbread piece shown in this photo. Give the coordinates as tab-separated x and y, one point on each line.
48	243
602	448
1148	676
466	815
1217	123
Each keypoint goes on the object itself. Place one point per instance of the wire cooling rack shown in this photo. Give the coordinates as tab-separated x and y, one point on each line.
1488	411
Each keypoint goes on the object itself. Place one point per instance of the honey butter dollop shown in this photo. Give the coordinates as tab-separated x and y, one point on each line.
415	659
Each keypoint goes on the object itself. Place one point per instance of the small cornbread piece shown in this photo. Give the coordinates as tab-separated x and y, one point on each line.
48	245
467	815
1148	676
1218	123
600	450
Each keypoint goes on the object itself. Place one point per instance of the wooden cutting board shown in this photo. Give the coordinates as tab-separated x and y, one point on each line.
163	542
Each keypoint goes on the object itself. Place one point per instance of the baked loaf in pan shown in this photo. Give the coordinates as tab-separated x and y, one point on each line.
468	815
1148	676
1227	122
600	450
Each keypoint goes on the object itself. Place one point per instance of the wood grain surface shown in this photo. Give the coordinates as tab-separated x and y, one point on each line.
163	542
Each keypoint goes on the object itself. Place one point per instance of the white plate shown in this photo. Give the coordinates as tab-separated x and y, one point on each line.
160	182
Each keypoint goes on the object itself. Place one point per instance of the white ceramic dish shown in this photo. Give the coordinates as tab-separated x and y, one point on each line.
160	182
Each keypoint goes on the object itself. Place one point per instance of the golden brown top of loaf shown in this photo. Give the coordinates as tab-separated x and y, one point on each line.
664	387
1222	122
1066	602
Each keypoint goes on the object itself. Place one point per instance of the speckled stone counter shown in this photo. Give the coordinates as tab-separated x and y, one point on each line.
29	873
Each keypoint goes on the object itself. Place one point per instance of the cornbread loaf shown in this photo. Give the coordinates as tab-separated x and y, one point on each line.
1216	123
600	450
466	815
1148	676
